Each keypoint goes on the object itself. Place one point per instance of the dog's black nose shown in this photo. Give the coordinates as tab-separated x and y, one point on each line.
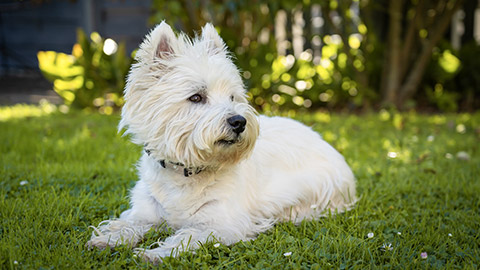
237	122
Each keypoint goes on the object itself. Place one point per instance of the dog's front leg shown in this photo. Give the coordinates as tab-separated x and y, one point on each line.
183	240
133	223
129	229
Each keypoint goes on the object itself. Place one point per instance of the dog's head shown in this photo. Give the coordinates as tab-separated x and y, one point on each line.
185	99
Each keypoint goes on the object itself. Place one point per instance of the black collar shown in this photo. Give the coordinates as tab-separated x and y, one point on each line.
177	166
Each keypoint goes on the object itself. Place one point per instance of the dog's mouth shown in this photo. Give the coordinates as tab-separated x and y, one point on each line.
227	142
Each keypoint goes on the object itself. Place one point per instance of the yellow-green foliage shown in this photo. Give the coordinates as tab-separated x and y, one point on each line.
93	76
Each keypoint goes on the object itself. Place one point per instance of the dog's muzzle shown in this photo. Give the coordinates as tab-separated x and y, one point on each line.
237	125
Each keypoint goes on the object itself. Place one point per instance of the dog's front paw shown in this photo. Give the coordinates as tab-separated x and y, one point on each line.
150	255
117	232
100	242
107	234
103	241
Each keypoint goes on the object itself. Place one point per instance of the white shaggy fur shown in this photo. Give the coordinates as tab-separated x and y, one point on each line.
276	169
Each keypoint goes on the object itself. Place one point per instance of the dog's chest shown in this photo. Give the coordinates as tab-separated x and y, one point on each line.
180	204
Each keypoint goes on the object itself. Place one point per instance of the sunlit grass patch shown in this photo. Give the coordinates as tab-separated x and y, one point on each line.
23	110
417	178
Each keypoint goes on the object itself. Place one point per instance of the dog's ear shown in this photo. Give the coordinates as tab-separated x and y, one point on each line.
215	42
164	41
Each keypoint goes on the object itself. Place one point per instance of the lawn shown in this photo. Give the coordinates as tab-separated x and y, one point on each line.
418	178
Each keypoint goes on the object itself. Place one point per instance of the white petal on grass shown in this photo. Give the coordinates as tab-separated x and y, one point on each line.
23	183
450	235
370	235
430	138
399	233
287	254
424	255
462	155
387	246
392	155
461	129
448	156
217	245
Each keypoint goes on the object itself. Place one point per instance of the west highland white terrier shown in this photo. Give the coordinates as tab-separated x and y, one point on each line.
213	170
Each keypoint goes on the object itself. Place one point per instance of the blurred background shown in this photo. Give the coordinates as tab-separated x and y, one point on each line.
294	56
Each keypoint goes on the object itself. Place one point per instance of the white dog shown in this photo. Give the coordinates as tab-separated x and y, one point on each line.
212	169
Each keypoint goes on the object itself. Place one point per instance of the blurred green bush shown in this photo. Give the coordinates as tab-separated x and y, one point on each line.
93	76
344	62
276	81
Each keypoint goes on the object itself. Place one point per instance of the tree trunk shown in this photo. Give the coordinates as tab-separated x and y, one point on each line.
414	77
392	83
410	40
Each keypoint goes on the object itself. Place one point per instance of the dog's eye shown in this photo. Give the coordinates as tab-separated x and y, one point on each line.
231	97
196	98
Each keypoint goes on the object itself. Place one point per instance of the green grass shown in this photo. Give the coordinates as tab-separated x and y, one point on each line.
422	198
